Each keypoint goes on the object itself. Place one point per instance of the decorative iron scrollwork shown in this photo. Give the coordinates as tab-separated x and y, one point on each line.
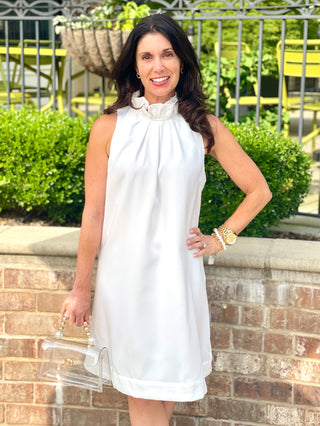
72	8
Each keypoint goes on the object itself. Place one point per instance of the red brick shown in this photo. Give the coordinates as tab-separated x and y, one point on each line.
16	392
33	324
312	418
220	386
30	278
228	409
307	347
307	395
250	291
89	417
278	343
2	324
186	421
220	291
1	414
278	318
17	347
220	337
1	370
26	371
262	390
225	314
285	415
17	301
293	369
252	316
46	394
205	422
240	363
29	414
301	321
50	302
66	279
124	419
279	295
110	398
196	408
307	297
249	340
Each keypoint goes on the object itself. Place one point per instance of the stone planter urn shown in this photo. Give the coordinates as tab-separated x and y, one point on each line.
96	50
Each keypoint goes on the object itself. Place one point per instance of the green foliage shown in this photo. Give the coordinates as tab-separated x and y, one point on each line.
268	118
250	29
131	15
228	75
42	159
284	165
112	14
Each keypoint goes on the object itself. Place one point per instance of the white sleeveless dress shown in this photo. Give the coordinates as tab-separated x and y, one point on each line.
151	308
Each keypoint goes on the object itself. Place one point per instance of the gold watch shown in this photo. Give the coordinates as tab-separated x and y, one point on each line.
229	237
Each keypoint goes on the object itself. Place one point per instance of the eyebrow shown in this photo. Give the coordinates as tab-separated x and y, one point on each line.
164	50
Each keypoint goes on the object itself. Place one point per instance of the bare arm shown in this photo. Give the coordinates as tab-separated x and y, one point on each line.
245	174
77	304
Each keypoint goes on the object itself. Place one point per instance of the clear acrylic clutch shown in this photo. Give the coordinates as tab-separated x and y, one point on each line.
74	363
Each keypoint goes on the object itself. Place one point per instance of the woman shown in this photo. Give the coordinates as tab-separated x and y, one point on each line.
143	180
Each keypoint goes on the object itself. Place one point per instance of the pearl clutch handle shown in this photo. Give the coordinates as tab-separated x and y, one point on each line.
85	327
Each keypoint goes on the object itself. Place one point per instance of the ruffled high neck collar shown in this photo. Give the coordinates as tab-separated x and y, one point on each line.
155	111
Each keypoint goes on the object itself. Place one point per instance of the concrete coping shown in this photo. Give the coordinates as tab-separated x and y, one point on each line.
285	254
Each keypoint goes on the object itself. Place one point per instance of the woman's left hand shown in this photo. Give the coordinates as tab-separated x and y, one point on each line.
206	244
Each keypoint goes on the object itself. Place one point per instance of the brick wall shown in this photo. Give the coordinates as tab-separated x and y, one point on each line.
264	297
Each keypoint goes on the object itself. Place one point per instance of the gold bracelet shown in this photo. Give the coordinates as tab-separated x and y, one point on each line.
229	237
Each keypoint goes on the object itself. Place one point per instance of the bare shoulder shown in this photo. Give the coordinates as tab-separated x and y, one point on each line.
216	124
223	138
105	125
102	131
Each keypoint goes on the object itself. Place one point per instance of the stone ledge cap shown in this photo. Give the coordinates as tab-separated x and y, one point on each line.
269	253
266	253
39	240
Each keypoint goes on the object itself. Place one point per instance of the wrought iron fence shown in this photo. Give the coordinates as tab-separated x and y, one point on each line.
34	67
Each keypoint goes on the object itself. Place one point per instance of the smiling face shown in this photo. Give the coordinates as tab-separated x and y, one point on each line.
159	67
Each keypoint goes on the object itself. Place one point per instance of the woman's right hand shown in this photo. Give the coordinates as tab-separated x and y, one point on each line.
77	306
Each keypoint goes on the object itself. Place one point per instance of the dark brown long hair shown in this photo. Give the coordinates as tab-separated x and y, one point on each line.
191	99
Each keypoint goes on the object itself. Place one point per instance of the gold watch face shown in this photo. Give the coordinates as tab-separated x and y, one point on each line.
230	238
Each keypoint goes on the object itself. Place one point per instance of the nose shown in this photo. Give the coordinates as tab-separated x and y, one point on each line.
158	65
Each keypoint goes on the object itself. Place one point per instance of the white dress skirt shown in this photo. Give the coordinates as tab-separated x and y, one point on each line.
150	307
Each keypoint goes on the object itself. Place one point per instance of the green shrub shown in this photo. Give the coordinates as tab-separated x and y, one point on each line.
283	163
42	159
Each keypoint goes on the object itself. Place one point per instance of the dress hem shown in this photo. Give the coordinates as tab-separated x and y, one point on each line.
159	391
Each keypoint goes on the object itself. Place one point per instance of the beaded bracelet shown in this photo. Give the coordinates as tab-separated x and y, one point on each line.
216	233
218	237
